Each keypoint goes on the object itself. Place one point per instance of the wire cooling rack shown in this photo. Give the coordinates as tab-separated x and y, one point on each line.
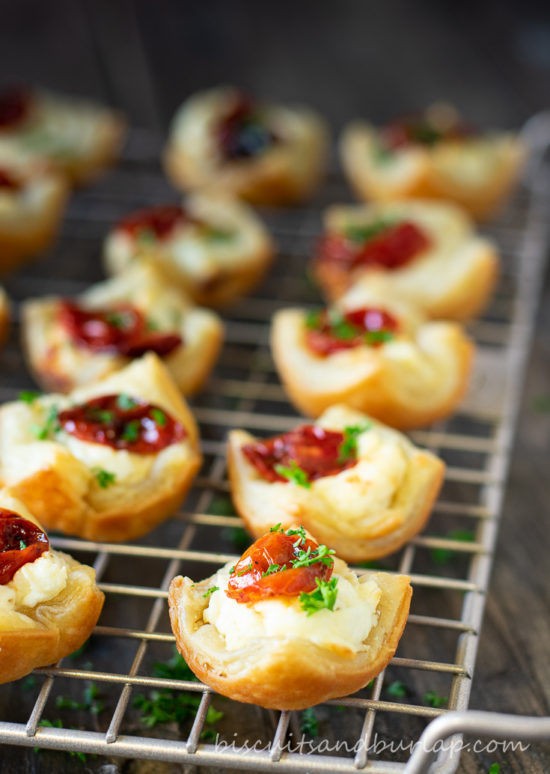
432	672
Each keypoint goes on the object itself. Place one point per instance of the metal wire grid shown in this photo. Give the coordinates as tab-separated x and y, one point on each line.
244	392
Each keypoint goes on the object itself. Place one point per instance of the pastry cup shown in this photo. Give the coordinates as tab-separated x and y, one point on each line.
42	634
57	363
285	672
212	272
287	172
477	173
413	380
452	279
364	512
57	479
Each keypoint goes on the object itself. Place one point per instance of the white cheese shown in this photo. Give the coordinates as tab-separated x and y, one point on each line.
39	581
342	630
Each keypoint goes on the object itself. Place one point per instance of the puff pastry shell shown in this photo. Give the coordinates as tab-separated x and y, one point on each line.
56	479
58	364
41	634
476	172
364	512
410	381
211	272
286	172
452	279
285	672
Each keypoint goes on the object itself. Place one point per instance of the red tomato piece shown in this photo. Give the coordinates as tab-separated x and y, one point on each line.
249	582
122	422
368	325
21	542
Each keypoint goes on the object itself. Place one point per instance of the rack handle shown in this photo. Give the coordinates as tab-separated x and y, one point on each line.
492	725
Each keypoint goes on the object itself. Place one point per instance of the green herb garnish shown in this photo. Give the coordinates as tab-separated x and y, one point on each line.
365	232
170	706
22	545
237	536
321	554
322	598
271	569
348	447
382	154
277	528
398	690
340	328
300	532
28	396
293	473
494	768
131	431
210	591
120	319
125	402
309	723
434	700
104	477
159	417
103	416
313	319
146	236
151	325
218	234
378	337
246	569
445	555
50	426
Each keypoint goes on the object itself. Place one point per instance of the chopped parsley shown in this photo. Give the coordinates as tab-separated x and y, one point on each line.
309	723
218	234
104	477
237	536
90	702
246	569
159	417
494	768
29	683
170	706
340	328
294	473
222	506
277	527
382	154
445	555
300	532
151	325
372	564
365	232
322	598
379	337
313	319
348	447
51	425
434	700
131	431
22	545
321	554
125	402
210	591
103	416
271	569
398	690
146	236
120	319
28	396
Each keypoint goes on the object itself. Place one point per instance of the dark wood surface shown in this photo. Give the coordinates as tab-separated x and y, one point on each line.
346	58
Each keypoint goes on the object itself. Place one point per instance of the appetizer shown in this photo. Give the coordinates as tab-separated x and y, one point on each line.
374	353
432	155
264	153
289	625
107	462
71	342
32	203
425	251
49	603
77	136
213	247
355	484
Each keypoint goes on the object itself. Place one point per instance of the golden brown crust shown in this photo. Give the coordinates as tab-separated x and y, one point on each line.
25	234
84	169
59	365
63	492
289	673
61	625
452	279
425	176
262	504
369	381
286	173
4	317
